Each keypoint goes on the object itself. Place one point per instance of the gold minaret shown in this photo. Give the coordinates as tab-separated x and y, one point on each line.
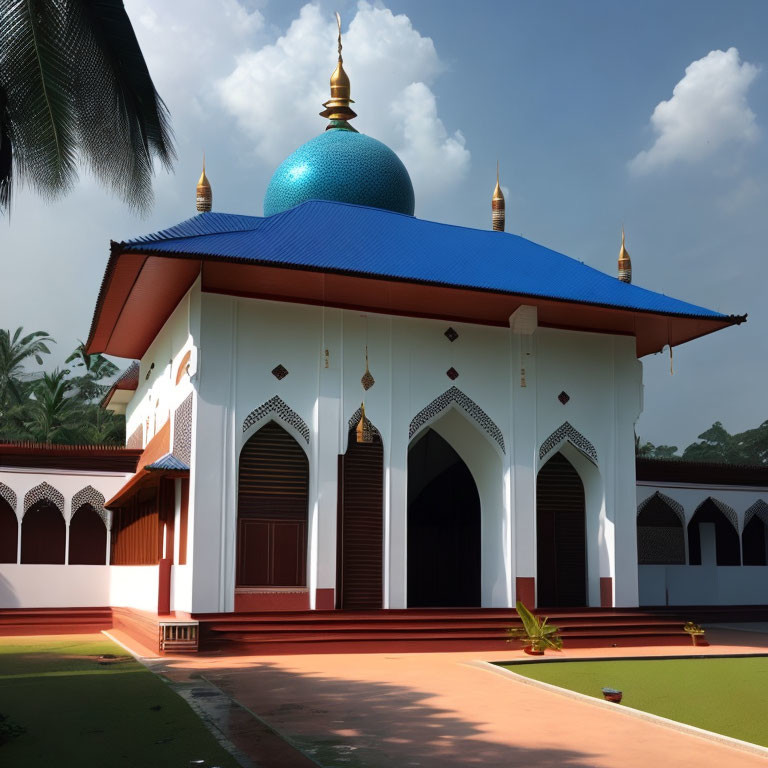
625	265
363	432
337	108
497	205
204	193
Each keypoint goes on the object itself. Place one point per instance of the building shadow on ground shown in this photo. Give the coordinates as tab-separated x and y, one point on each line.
343	723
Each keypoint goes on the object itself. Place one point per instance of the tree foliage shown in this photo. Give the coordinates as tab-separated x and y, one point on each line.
716	444
74	87
59	406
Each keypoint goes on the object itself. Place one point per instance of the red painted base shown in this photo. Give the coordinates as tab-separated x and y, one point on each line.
271	600
525	587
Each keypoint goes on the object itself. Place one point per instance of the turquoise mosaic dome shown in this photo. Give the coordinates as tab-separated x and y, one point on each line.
344	166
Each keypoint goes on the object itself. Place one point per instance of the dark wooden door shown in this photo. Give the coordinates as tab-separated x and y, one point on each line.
273	492
561	543
360	530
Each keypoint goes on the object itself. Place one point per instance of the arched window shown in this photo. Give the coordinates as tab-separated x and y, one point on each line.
9	532
273	494
660	534
709	526
43	534
87	537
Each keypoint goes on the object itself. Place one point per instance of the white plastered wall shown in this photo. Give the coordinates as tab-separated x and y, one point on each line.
242	340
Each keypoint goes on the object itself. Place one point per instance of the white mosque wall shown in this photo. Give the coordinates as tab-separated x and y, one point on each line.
134	586
708	583
158	393
242	340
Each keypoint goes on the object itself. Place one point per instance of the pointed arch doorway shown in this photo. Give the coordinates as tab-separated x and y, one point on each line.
360	538
561	540
444	527
273	494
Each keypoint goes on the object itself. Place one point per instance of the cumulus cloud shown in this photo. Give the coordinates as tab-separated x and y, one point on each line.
708	110
275	92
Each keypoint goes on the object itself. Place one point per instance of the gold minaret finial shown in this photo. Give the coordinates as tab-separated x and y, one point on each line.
204	193
497	205
625	265
337	108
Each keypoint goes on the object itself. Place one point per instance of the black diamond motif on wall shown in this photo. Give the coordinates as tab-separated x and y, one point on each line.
280	372
451	334
452	374
563	397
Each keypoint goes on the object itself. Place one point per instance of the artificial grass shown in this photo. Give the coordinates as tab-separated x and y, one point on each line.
78	712
727	696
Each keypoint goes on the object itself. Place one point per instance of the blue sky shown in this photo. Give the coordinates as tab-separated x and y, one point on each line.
562	93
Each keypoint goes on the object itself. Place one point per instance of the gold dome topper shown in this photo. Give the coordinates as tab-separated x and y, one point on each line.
497	205
204	192
363	431
337	108
625	265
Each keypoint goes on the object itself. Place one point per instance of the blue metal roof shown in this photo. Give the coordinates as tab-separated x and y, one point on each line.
167	462
340	237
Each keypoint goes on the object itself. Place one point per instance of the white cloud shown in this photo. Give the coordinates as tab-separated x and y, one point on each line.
708	110
275	92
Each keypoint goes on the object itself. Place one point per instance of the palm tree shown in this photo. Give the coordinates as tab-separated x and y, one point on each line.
97	368
54	416
74	86
15	351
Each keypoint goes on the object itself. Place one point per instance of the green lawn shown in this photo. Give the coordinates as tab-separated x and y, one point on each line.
728	696
78	712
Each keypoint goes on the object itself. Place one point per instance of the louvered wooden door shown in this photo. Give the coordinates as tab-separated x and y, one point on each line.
360	537
273	492
560	536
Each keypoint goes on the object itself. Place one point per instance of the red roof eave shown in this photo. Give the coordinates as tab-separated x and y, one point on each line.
141	290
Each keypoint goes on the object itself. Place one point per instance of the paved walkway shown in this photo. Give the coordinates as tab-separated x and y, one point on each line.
442	709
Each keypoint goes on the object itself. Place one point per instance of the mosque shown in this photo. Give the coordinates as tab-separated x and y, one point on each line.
337	406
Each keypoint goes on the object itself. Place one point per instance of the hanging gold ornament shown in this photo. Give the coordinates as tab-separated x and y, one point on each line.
363	430
367	381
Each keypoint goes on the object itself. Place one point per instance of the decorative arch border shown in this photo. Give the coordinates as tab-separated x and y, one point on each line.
759	508
729	512
43	492
675	506
9	495
89	495
454	396
566	432
276	407
355	418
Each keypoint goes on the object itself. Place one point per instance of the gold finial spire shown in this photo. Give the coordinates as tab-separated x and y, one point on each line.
625	265
204	192
363	431
337	108
497	205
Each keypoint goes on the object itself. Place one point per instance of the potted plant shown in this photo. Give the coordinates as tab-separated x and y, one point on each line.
535	634
696	633
612	694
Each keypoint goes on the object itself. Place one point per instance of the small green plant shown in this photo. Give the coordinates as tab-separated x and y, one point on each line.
695	632
535	633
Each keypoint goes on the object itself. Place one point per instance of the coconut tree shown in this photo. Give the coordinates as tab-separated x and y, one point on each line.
54	415
94	368
74	87
16	349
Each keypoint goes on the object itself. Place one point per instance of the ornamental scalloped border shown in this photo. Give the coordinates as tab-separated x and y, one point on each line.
43	492
729	512
454	396
566	432
759	508
182	431
675	506
9	495
276	407
89	495
352	424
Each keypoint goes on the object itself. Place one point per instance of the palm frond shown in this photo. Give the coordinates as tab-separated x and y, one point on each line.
6	152
36	66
